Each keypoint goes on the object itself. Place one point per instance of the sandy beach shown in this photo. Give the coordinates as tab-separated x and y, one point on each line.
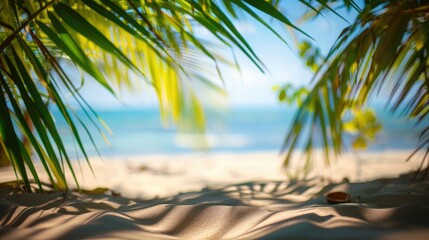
223	196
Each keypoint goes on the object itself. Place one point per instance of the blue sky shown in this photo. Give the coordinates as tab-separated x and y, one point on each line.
251	87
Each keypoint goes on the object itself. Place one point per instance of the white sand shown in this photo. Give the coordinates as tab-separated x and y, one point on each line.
225	196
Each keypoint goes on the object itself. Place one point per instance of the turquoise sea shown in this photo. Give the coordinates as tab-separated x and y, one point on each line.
246	129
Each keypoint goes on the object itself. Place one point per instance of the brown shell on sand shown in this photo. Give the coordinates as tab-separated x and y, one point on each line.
338	197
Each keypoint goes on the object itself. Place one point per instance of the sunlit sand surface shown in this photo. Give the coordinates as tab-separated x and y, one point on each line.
224	196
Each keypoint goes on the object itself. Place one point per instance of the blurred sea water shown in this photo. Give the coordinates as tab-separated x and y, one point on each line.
245	129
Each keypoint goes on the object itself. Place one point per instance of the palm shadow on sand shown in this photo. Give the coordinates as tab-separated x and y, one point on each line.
258	209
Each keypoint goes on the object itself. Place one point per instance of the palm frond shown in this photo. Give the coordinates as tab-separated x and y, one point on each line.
385	51
117	43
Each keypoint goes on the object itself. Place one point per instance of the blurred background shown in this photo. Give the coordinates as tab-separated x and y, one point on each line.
250	119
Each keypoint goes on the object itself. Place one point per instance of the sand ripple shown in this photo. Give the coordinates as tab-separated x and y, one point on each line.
381	209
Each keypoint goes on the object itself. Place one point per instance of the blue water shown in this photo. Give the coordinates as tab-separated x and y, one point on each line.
140	131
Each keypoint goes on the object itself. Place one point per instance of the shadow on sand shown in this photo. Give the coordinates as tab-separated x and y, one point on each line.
384	208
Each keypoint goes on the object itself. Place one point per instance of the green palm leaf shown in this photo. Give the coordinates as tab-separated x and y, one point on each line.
107	39
385	50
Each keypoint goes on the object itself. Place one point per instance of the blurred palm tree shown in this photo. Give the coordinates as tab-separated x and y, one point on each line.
114	42
383	51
